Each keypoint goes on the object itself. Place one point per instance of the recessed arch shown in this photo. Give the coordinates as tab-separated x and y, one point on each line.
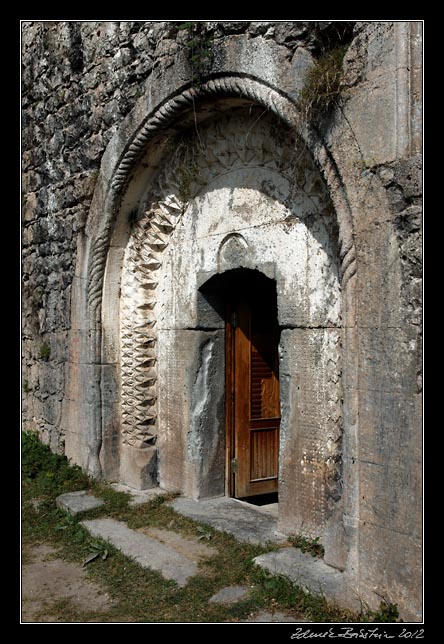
120	189
113	180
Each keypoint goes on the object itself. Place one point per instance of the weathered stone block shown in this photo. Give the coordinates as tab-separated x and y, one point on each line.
389	360
109	384
51	379
90	374
79	419
391	497
191	412
229	595
111	441
387	419
389	561
378	247
146	551
139	466
311	427
51	410
76	502
374	122
28	212
244	521
380	48
308	572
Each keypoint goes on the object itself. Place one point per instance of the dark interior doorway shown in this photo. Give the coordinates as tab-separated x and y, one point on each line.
247	301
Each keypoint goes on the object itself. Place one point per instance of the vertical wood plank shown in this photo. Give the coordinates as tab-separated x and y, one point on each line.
242	398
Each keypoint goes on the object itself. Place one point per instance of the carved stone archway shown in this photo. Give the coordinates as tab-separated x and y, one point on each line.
119	362
258	72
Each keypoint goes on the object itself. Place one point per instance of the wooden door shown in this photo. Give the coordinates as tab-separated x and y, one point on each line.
254	410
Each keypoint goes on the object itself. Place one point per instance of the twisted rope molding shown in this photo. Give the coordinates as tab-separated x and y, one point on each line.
242	87
227	85
222	146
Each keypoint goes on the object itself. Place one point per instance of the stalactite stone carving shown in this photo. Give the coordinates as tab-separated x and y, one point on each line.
244	141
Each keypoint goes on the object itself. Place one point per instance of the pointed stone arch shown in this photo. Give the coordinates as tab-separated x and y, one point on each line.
251	89
124	169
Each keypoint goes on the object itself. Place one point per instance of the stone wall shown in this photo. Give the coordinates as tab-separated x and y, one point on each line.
79	81
93	95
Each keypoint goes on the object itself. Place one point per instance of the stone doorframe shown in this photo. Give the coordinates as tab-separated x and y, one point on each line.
118	198
129	160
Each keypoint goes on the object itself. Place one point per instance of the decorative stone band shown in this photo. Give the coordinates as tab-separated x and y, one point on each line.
224	86
138	321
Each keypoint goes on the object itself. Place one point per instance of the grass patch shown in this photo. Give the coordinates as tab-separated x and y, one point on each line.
323	84
312	546
116	502
45	352
140	595
46	475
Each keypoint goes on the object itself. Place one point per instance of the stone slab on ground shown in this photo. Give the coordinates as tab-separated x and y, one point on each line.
138	496
242	520
146	551
271	508
192	549
311	573
76	502
266	616
229	595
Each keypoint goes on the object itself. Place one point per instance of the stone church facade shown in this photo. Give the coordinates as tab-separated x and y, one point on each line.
167	166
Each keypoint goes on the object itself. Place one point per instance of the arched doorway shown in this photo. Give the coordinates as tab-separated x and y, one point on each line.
248	301
255	202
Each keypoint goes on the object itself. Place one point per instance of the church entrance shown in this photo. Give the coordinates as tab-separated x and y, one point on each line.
252	387
251	382
230	373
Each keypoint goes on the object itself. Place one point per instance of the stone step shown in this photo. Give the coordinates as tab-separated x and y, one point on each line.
76	502
244	521
177	563
137	497
310	573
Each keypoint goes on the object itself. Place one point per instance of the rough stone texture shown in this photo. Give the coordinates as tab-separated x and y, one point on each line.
311	573
271	618
193	437
192	549
138	467
138	496
76	502
310	373
287	232
79	81
147	551
251	176
242	520
229	595
126	213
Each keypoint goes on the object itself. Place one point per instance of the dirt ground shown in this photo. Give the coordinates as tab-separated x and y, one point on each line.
48	580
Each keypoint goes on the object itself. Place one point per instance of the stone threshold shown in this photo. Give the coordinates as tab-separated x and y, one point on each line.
246	522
